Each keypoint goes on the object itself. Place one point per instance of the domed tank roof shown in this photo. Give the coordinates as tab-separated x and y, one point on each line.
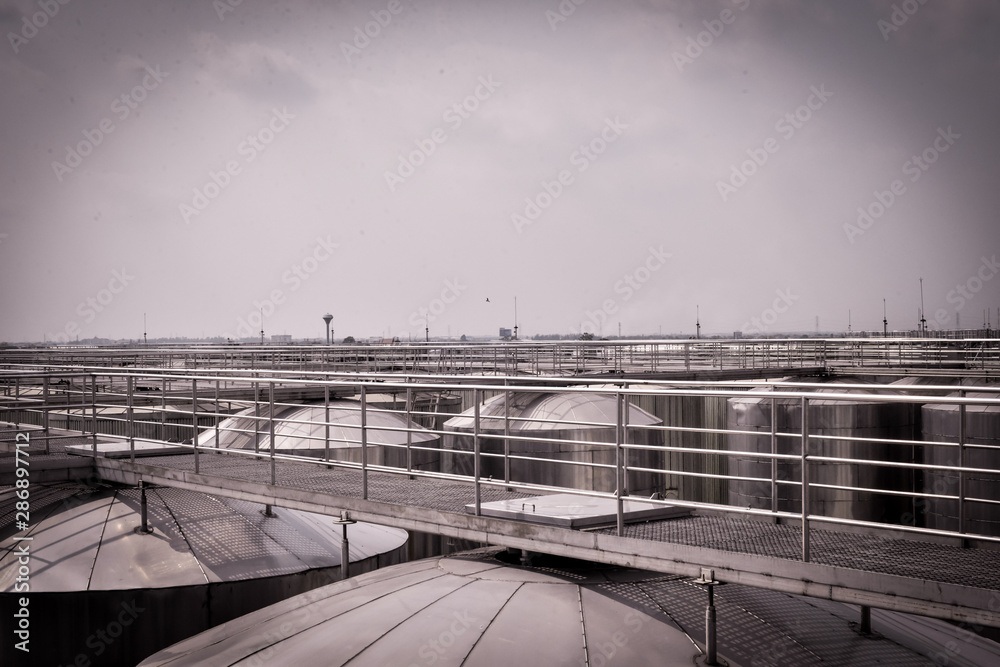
470	609
88	539
973	391
759	395
548	411
302	428
480	609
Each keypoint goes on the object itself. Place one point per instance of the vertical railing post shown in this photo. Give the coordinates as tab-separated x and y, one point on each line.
475	451
625	411
805	479
506	435
409	429
326	419
130	417
45	409
961	464
163	409
774	450
270	427
619	504
194	422
364	443
218	410
256	414
93	411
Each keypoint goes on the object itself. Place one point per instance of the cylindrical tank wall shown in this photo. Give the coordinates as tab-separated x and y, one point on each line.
555	473
121	627
572	465
694	412
982	427
858	419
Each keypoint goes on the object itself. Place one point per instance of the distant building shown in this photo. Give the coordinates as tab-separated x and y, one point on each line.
378	340
505	333
281	338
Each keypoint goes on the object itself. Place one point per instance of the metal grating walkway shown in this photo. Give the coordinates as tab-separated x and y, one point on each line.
890	571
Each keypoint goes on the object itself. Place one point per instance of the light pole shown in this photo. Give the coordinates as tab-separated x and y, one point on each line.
327	318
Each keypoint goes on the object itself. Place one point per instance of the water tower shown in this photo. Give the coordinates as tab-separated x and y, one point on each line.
327	318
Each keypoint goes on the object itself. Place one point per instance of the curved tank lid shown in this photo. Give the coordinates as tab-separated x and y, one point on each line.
474	609
550	411
83	538
294	423
469	609
760	395
982	390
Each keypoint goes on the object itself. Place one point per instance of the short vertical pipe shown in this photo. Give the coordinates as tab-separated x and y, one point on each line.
712	657
805	480
143	509
866	620
345	554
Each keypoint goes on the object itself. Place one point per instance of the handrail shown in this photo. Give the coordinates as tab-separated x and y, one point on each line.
42	397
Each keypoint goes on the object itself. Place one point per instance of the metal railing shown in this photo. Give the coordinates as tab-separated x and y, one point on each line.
534	358
136	405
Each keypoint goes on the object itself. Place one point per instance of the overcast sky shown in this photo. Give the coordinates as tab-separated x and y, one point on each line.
396	163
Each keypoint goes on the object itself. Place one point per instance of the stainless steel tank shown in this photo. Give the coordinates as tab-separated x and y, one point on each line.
104	594
864	417
701	412
483	608
469	609
302	430
546	418
982	433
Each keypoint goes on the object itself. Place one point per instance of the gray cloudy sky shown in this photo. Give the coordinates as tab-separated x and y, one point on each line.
608	162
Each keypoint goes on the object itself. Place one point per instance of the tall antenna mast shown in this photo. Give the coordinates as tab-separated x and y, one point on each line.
923	322
144	330
515	318
697	321
885	322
